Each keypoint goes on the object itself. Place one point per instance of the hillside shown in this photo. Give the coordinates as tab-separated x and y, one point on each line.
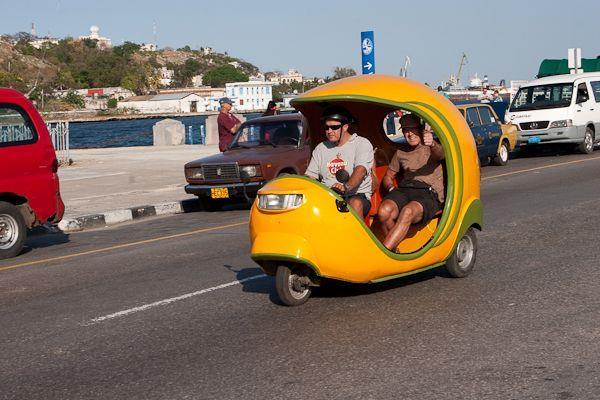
76	64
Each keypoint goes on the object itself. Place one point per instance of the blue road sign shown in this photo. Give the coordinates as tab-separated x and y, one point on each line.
367	49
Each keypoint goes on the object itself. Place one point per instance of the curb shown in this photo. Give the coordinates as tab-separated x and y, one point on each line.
116	217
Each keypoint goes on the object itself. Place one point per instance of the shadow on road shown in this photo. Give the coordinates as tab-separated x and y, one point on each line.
263	286
332	288
44	236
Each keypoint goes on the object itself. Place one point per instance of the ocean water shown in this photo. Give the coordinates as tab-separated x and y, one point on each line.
130	132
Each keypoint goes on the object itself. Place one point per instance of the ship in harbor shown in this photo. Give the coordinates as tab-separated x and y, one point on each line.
456	91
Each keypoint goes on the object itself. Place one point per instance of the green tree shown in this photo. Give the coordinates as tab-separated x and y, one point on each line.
126	50
185	72
219	76
342	72
75	99
91	43
112	103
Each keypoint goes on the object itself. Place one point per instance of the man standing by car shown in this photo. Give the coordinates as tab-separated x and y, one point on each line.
343	150
227	124
420	193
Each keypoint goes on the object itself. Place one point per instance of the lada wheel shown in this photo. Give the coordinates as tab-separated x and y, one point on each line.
462	261
501	158
587	146
293	287
12	230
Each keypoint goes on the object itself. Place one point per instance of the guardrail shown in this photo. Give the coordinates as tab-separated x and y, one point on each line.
59	133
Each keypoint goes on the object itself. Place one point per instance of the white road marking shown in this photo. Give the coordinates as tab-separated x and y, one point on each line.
169	301
92	176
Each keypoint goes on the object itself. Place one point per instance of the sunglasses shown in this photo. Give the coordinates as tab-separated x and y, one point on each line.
332	127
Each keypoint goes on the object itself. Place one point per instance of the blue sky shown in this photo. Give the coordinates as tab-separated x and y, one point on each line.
503	39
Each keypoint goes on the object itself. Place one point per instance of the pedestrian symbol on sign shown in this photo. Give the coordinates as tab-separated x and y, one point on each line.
367	46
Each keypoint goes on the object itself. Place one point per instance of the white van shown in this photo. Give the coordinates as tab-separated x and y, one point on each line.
558	109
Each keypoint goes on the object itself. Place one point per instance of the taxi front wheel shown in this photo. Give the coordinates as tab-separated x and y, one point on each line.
293	286
462	261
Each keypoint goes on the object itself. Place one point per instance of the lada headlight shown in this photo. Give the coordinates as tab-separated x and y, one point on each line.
251	170
562	123
194	173
279	202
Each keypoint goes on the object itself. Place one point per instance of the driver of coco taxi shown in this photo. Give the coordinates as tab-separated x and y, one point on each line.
343	150
420	192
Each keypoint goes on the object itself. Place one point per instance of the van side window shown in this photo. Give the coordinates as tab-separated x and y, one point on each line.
582	92
473	116
596	90
15	126
486	116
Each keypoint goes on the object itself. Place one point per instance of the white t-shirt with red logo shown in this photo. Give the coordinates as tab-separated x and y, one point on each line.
327	159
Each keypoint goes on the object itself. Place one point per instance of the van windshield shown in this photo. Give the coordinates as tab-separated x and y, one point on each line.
268	133
543	96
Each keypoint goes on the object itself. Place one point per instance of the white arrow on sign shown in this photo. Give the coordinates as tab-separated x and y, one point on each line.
368	65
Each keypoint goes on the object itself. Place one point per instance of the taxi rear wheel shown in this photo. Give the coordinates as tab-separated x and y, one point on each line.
292	285
462	261
12	230
501	158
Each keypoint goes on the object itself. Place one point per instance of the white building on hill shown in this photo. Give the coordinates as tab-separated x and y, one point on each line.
166	103
103	42
249	96
292	76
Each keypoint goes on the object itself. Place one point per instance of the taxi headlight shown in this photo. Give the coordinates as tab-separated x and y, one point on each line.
251	170
194	173
279	201
562	123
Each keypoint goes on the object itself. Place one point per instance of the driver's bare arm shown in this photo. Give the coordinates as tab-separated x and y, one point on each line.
357	177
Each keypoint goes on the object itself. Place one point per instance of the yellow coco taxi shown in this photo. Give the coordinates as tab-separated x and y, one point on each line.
301	231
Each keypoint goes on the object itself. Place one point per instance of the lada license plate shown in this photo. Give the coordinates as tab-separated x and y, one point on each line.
219	193
534	140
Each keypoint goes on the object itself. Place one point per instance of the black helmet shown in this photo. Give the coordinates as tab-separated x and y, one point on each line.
337	113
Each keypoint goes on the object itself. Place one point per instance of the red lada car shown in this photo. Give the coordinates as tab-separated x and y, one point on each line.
29	189
263	148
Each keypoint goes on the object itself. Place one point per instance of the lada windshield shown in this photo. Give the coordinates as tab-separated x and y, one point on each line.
543	96
268	134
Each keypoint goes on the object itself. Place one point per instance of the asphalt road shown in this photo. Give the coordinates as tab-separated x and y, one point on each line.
155	310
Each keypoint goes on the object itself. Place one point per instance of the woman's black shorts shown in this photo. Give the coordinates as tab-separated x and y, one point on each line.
420	193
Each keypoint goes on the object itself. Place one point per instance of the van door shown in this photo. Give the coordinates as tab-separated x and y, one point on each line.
595	85
585	108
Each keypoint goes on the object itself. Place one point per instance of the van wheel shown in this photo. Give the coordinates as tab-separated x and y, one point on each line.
12	230
587	146
501	158
462	261
293	287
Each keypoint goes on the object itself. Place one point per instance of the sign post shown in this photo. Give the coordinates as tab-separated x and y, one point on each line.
574	60
367	47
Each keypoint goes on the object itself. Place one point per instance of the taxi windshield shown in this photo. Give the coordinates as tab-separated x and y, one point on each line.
274	133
